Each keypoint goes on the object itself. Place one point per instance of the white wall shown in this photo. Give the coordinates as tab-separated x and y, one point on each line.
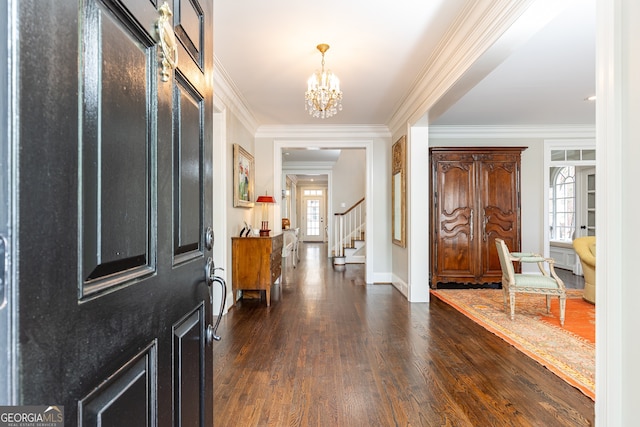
238	134
381	211
230	130
349	179
265	184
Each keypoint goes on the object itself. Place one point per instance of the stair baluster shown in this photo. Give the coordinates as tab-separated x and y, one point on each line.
349	235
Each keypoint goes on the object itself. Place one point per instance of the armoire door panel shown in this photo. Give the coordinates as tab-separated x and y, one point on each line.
455	218
500	208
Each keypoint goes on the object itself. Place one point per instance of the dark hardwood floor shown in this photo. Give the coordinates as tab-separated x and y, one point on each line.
334	351
571	281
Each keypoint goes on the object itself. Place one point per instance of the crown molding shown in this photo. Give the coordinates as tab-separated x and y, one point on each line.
475	30
537	131
227	93
313	132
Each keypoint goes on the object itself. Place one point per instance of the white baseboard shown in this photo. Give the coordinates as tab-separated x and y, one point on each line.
400	285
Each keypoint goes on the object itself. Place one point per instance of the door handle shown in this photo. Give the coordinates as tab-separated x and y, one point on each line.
211	278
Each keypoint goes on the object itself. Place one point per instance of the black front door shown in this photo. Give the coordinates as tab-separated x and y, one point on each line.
110	150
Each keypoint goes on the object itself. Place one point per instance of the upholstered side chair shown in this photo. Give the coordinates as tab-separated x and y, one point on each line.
585	247
547	283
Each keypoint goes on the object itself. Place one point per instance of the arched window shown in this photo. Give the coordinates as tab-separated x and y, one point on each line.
562	199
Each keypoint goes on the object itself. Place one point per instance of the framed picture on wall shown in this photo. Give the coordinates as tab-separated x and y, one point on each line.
243	177
398	193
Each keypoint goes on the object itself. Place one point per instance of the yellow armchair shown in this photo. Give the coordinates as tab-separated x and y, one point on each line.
586	249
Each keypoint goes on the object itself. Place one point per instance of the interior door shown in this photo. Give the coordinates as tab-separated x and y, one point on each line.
109	298
313	217
587	213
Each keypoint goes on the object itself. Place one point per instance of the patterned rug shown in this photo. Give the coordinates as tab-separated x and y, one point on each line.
568	352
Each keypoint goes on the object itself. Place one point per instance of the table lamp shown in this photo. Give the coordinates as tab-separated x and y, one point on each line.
266	201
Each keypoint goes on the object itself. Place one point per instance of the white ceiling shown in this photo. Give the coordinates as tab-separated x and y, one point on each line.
544	81
268	50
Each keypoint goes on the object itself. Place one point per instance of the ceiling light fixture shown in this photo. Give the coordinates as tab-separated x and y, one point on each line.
323	97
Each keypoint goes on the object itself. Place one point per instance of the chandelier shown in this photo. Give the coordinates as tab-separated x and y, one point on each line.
323	97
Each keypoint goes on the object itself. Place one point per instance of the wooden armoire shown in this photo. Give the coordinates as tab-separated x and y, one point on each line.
475	193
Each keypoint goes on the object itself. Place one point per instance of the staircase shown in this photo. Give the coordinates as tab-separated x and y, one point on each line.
349	238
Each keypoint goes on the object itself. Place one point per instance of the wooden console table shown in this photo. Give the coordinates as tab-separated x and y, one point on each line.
257	263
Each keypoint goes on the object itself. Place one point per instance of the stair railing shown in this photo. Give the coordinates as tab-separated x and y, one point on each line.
348	226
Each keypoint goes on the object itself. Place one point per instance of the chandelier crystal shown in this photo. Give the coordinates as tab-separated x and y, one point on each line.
323	97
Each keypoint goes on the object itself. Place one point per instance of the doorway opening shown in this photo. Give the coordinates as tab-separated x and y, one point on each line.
304	206
569	179
280	184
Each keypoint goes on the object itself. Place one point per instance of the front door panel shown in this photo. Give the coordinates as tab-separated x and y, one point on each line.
126	397
188	163
114	190
188	370
116	149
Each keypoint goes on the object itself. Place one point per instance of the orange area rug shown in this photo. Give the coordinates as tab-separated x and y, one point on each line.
569	351
582	320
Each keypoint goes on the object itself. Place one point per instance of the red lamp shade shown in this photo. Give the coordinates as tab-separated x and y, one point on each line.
265	199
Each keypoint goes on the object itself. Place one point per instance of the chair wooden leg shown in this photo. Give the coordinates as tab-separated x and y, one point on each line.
563	304
512	304
548	303
504	296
